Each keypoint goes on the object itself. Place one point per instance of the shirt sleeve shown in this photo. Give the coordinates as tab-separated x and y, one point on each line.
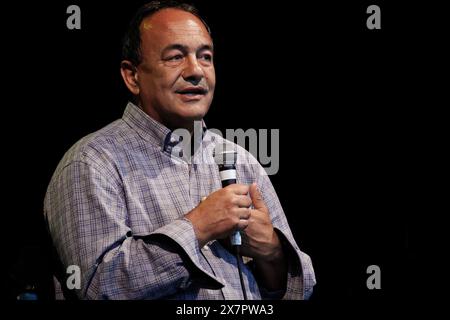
87	217
300	278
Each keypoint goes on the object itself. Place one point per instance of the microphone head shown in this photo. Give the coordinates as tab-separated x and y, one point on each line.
225	154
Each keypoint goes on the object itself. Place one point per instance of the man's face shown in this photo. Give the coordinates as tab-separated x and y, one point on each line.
176	77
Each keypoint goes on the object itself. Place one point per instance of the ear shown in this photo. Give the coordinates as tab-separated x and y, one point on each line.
130	76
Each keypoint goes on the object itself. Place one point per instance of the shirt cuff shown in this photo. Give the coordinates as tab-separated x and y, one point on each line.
182	232
299	270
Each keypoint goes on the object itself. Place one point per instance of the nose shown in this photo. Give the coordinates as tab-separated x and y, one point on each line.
192	72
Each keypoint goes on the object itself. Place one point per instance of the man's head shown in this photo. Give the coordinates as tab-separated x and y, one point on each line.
168	63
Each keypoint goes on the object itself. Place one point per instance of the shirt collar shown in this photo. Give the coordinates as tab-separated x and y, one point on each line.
151	130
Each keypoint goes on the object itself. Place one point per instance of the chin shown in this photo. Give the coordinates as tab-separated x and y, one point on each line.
193	112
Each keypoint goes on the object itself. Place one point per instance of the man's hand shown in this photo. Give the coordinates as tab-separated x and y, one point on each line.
221	213
226	211
260	241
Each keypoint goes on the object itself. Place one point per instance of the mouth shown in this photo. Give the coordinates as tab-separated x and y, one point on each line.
191	93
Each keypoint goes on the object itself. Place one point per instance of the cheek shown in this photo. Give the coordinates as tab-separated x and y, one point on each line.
157	86
169	77
162	78
211	78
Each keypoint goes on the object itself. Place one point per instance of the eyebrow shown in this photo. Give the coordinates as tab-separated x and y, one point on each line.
184	49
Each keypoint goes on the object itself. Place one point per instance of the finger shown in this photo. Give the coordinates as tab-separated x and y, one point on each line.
243	201
244	213
242	225
256	197
241	189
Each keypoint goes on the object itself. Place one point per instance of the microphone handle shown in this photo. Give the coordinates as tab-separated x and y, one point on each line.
228	176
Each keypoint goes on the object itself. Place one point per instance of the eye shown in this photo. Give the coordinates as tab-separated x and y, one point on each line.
176	57
206	57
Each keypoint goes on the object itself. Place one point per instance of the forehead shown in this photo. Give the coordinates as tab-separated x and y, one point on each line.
170	26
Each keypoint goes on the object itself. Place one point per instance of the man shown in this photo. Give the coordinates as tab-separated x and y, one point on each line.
141	219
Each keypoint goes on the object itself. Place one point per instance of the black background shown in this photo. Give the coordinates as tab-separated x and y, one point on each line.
344	98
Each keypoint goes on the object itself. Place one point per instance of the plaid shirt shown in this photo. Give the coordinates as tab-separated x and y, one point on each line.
115	207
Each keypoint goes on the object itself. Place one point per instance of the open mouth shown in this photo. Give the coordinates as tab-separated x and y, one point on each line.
192	91
191	94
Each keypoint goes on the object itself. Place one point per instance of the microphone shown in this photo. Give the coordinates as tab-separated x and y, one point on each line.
225	157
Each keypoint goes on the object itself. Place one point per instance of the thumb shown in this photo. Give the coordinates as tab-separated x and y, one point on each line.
256	197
